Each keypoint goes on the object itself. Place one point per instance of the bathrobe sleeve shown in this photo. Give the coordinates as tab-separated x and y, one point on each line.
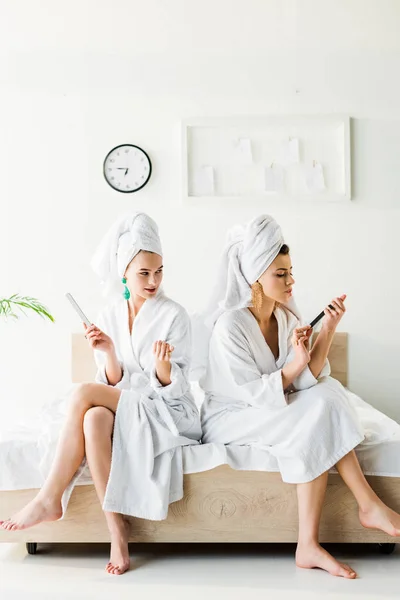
100	358
179	336
231	361
306	379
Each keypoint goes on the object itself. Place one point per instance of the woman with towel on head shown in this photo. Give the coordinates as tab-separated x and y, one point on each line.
265	388
142	345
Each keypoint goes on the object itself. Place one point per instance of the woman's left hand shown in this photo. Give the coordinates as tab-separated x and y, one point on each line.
162	351
333	316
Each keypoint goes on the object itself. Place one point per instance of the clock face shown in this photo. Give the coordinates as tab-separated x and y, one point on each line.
127	168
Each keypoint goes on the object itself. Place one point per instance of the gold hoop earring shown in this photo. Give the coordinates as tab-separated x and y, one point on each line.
257	295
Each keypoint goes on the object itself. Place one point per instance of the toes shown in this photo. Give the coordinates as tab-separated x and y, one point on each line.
346	571
112	569
117	570
350	575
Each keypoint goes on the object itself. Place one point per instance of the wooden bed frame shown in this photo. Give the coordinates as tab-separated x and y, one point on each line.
220	505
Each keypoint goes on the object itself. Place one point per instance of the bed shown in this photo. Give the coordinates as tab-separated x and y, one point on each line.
220	504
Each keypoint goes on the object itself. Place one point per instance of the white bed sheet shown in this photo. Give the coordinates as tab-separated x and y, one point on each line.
26	452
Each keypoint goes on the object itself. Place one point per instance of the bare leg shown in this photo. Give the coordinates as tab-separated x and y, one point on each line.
98	427
373	513
309	553
46	506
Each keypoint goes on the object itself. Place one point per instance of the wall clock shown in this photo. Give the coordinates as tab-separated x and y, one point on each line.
127	168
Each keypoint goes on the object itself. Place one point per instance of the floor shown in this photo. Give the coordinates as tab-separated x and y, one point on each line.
167	572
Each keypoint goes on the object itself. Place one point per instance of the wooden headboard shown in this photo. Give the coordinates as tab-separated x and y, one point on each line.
84	369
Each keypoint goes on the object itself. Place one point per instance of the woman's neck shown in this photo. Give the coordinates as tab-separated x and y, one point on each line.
264	315
135	303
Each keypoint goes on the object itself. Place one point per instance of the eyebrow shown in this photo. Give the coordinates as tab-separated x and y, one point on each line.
143	269
282	269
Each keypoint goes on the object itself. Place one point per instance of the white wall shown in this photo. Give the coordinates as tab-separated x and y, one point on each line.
80	76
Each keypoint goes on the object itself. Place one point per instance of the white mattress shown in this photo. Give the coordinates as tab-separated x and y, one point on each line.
26	452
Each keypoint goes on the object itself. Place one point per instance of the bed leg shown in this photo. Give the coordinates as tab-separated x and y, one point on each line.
31	547
386	548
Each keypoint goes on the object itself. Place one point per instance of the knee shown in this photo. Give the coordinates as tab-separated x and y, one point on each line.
82	395
98	420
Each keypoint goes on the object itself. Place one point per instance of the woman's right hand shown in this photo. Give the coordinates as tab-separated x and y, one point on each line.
98	340
300	339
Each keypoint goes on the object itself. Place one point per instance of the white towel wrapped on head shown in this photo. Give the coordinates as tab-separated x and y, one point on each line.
123	241
248	253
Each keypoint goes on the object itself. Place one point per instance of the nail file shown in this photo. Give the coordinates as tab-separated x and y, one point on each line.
78	309
320	316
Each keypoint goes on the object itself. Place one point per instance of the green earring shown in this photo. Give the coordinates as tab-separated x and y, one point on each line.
127	293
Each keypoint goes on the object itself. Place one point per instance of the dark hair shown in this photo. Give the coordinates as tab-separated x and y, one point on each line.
284	250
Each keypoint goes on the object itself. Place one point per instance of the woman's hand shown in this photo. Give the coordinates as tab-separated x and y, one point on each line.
333	316
162	351
300	343
98	340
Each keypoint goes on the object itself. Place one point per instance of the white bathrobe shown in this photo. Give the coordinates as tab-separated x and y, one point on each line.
152	422
308	428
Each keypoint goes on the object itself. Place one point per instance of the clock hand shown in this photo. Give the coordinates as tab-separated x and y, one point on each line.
126	169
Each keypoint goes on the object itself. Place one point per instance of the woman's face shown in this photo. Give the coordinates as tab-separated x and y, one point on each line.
277	281
144	274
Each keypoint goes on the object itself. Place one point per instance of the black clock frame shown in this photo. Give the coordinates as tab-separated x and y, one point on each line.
143	184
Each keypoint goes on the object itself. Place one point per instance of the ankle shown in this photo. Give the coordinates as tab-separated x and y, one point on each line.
369	504
307	542
48	498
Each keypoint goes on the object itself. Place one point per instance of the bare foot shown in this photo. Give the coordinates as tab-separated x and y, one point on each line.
381	517
119	556
36	511
313	556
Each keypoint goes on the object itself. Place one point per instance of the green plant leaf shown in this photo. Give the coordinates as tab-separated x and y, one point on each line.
10	307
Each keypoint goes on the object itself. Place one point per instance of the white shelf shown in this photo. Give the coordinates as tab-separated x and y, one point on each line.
212	142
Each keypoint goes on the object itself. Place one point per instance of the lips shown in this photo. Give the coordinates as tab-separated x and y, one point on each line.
150	289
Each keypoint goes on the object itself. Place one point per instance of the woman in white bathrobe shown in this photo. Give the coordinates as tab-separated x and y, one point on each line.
142	345
265	388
